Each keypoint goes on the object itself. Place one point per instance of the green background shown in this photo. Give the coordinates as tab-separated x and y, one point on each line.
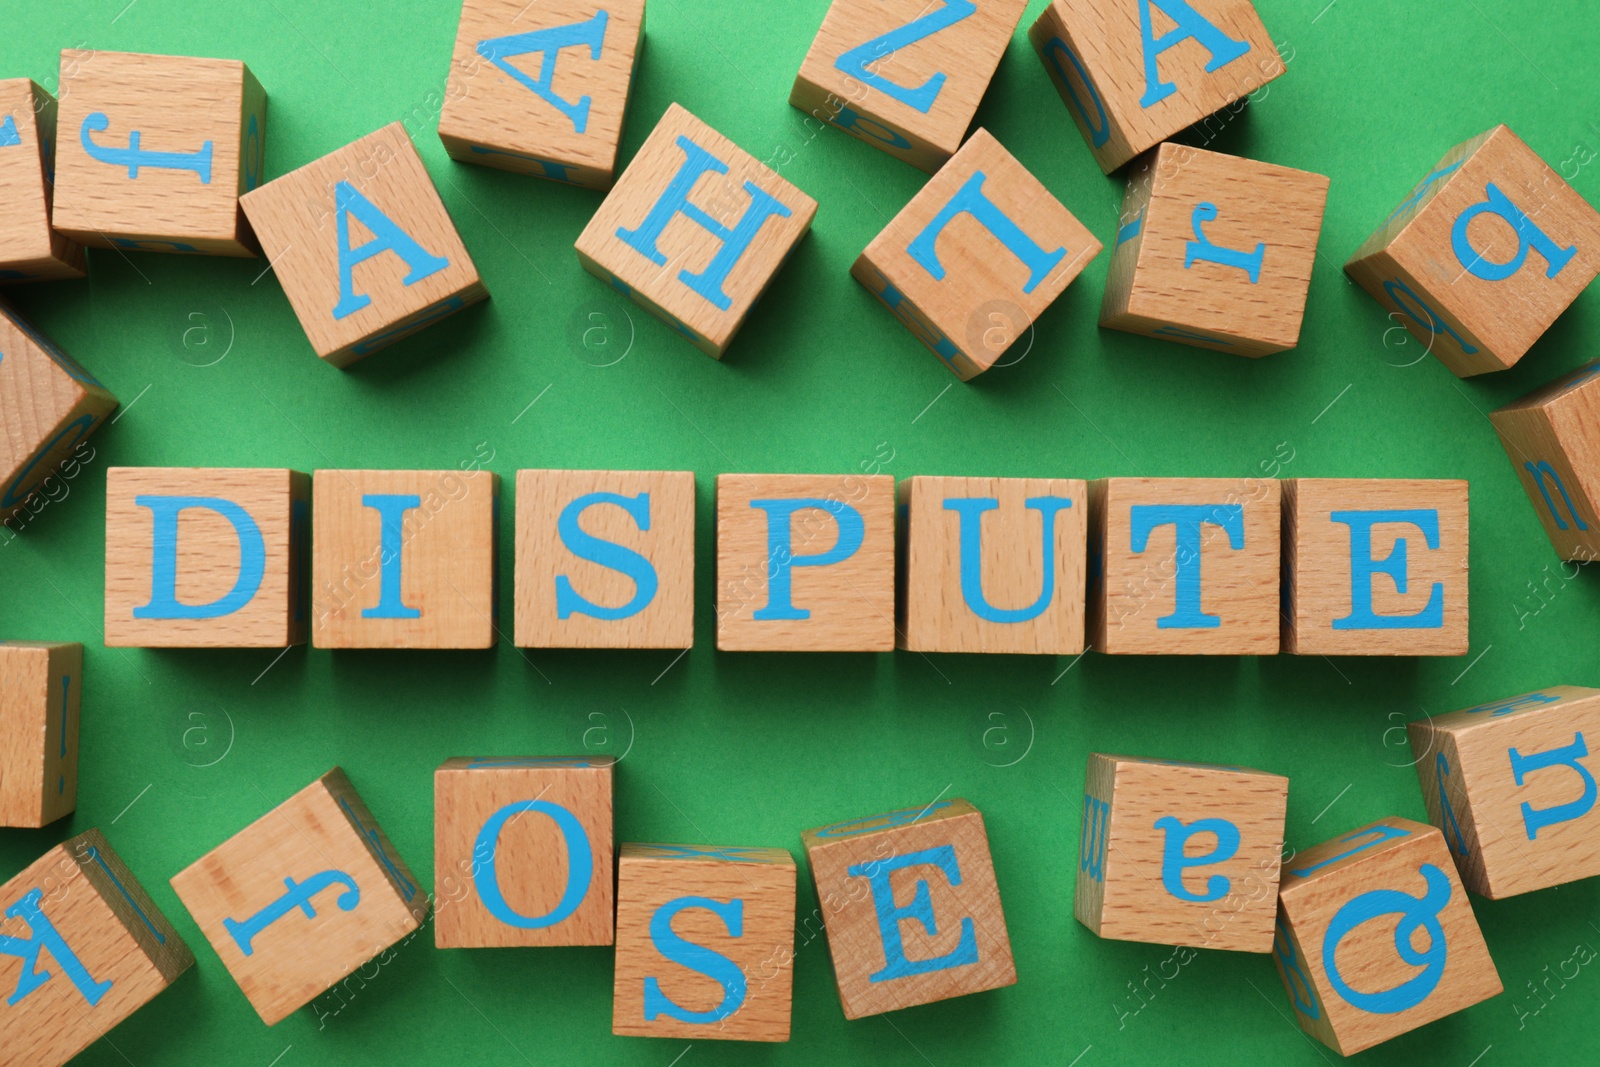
182	749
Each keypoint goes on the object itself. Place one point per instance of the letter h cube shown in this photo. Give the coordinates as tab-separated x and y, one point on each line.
1553	438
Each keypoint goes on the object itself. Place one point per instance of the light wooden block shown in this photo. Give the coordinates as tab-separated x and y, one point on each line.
705	942
523	852
911	907
1553	438
1187	566
1215	251
805	563
1132	74
200	557
695	230
975	257
905	76
303	896
1484	255
41	694
155	152
30	250
1375	567
356	289
542	89
605	559
1376	937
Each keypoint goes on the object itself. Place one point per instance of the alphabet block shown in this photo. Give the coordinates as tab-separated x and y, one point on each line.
975	257
1553	438
1357	917
605	559
355	296
1374	567
1132	74
155	152
911	907
82	947
705	942
1484	255
530	840
41	690
29	249
542	89
302	896
905	76
205	557
805	563
1215	251
1188	566
695	230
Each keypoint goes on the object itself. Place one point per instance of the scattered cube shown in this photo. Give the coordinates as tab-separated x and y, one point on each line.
30	250
1553	438
41	692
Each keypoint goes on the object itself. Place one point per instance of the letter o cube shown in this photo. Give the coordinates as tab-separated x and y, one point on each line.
1553	438
30	250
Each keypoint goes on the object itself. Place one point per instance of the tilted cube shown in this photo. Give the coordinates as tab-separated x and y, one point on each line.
1552	436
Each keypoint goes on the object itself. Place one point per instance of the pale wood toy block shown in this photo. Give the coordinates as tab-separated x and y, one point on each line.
1553	438
542	89
705	942
1132	74
695	230
200	557
975	257
904	75
805	563
1357	917
403	559
605	559
363	246
41	693
1215	251
1375	567
1185	566
993	564
1484	255
523	851
30	250
303	896
155	152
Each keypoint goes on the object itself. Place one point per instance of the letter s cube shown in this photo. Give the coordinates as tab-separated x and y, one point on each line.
1553	438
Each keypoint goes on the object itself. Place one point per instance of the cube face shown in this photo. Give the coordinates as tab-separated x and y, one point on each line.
695	230
975	257
1375	567
41	693
29	249
527	843
605	559
805	563
1554	446
363	246
705	942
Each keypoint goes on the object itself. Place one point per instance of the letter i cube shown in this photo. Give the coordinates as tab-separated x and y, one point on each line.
911	907
30	250
41	691
975	257
1553	438
1376	938
1483	256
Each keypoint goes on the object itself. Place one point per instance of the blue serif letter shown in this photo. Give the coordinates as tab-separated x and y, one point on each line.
781	558
133	157
392	508
386	237
1542	473
45	938
1363	569
971	512
1528	236
1536	819
299	897
580	864
550	42
969	200
1190	23
713	965
1187	521
164	603
1174	862
1201	247
1417	914
855	62
920	910
611	556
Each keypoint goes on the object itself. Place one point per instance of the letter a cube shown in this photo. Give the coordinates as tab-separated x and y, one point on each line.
1376	938
695	230
1553	438
41	692
975	257
1483	256
302	897
30	250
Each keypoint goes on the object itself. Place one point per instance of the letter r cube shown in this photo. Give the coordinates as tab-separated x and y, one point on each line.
1552	436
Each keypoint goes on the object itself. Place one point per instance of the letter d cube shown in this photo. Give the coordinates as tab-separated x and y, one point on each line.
1553	438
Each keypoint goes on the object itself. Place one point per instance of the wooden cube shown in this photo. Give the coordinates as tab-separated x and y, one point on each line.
1187	566
1215	251
1553	438
1484	255
359	288
1180	853
41	693
155	152
705	942
911	907
904	75
30	250
1358	916
542	89
805	563
206	558
1132	74
695	230
403	559
523	852
302	896
1374	567
82	947
975	257
605	559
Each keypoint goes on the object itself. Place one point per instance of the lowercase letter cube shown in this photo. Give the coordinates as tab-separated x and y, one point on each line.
41	692
30	250
1553	438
